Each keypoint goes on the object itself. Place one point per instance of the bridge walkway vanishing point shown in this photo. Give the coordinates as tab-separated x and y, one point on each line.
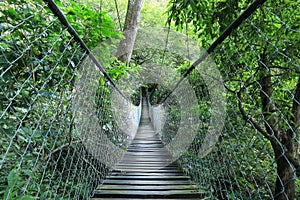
144	172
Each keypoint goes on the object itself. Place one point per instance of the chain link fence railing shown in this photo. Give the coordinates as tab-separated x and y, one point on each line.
256	156
57	122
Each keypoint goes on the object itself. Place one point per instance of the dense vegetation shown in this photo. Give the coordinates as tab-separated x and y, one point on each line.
260	67
42	155
39	62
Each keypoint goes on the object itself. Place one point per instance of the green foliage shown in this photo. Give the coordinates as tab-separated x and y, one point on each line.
38	65
264	45
13	182
93	26
172	122
153	14
206	19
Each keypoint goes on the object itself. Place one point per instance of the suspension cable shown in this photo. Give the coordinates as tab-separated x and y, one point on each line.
247	13
163	59
58	13
118	14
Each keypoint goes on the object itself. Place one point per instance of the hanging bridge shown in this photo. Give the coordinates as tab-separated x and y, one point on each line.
184	124
145	172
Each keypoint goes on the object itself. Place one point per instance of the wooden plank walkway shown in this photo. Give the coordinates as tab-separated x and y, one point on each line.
145	172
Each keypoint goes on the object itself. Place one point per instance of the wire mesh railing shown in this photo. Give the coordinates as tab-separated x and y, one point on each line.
56	117
256	156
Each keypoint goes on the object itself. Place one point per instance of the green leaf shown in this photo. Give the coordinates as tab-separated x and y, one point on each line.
277	25
12	13
25	198
58	3
12	178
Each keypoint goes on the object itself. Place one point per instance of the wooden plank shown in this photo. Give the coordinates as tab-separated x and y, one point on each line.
173	198
148	193
131	167
147	182
146	142
145	150
128	177
133	146
147	165
157	155
145	174
152	194
147	146
144	160
140	198
146	157
148	170
147	187
143	141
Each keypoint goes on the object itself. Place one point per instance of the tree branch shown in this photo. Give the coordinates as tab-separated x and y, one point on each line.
271	138
60	148
93	167
284	68
249	119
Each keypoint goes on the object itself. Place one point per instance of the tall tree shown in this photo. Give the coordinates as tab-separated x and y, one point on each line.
130	30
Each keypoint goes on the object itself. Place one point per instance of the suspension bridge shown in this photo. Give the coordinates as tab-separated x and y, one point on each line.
185	124
145	172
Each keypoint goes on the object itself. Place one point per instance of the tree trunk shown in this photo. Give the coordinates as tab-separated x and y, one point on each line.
131	26
285	181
